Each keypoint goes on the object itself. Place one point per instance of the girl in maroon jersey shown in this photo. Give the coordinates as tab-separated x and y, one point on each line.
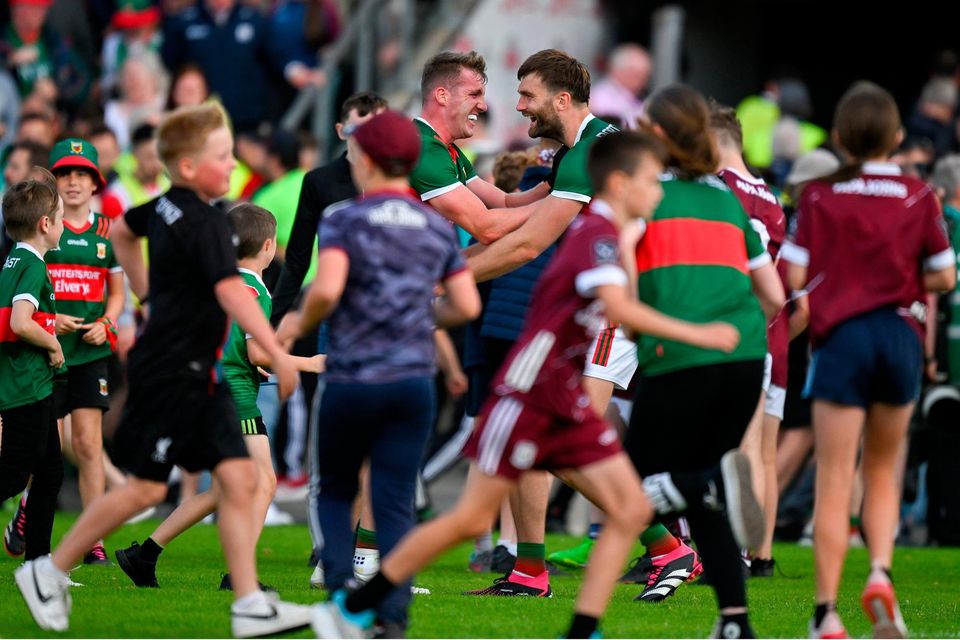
866	323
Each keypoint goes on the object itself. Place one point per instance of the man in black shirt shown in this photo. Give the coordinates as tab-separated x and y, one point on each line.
322	187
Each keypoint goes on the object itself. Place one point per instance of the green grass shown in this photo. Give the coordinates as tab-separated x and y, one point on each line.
189	605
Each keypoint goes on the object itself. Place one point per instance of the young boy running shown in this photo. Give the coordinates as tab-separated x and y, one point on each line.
88	284
539	416
29	353
256	230
177	411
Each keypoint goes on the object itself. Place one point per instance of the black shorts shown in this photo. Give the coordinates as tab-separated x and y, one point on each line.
253	427
686	420
86	387
183	420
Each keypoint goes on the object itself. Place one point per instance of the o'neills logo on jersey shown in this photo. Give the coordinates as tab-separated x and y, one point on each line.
872	187
77	282
759	192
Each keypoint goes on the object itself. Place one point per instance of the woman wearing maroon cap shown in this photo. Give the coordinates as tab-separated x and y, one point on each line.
869	245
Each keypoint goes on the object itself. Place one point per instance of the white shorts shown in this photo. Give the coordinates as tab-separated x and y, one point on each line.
776	397
612	357
624	406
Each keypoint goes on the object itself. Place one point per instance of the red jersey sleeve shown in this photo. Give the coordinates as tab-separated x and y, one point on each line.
938	254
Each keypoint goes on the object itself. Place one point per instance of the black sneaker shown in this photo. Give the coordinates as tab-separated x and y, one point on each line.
97	555
502	560
14	540
537	587
762	568
669	572
227	585
143	573
638	571
314	558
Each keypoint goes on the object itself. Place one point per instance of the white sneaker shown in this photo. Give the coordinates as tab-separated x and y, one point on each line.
743	511
47	594
276	517
419	591
316	578
267	616
332	620
366	563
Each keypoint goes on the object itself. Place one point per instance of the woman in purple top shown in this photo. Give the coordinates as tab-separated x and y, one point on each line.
381	256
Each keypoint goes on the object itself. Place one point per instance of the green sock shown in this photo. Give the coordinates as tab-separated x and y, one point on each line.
530	558
366	539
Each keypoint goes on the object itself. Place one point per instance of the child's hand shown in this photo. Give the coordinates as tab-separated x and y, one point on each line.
720	336
96	333
318	363
456	382
68	324
56	356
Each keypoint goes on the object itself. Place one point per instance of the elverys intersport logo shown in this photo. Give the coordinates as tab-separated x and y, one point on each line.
78	282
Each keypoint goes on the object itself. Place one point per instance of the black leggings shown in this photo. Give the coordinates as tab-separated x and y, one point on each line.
31	448
683	422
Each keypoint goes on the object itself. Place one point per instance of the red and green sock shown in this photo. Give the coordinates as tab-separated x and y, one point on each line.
366	539
658	540
530	559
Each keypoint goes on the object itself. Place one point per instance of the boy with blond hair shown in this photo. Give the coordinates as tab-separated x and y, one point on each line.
256	230
178	412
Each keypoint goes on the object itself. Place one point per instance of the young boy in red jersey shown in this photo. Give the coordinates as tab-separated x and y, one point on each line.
178	411
767	217
539	416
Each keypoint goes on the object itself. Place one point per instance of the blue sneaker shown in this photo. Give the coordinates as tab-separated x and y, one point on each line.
332	620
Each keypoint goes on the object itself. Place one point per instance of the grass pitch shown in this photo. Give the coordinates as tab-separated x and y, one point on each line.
188	604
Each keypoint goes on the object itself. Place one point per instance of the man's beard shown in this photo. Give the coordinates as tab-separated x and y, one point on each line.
547	125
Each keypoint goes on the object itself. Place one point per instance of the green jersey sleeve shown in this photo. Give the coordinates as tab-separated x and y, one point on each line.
573	181
440	169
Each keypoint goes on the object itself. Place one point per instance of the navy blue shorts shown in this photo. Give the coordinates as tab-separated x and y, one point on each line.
874	357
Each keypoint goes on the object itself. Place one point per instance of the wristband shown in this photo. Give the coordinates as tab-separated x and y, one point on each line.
112	333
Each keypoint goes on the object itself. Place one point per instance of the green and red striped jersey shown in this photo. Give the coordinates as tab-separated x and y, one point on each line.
78	270
25	373
694	263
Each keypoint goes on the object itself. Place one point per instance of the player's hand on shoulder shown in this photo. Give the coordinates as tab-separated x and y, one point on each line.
720	336
67	324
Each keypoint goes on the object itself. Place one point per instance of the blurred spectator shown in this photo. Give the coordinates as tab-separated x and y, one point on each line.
778	117
509	167
309	151
37	127
620	93
291	51
915	156
946	180
9	109
189	87
147	179
248	176
284	180
143	91
38	59
134	28
933	117
227	41
108	153
23	156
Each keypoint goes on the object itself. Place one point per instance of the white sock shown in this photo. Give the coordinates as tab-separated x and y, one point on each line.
510	546
249	601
